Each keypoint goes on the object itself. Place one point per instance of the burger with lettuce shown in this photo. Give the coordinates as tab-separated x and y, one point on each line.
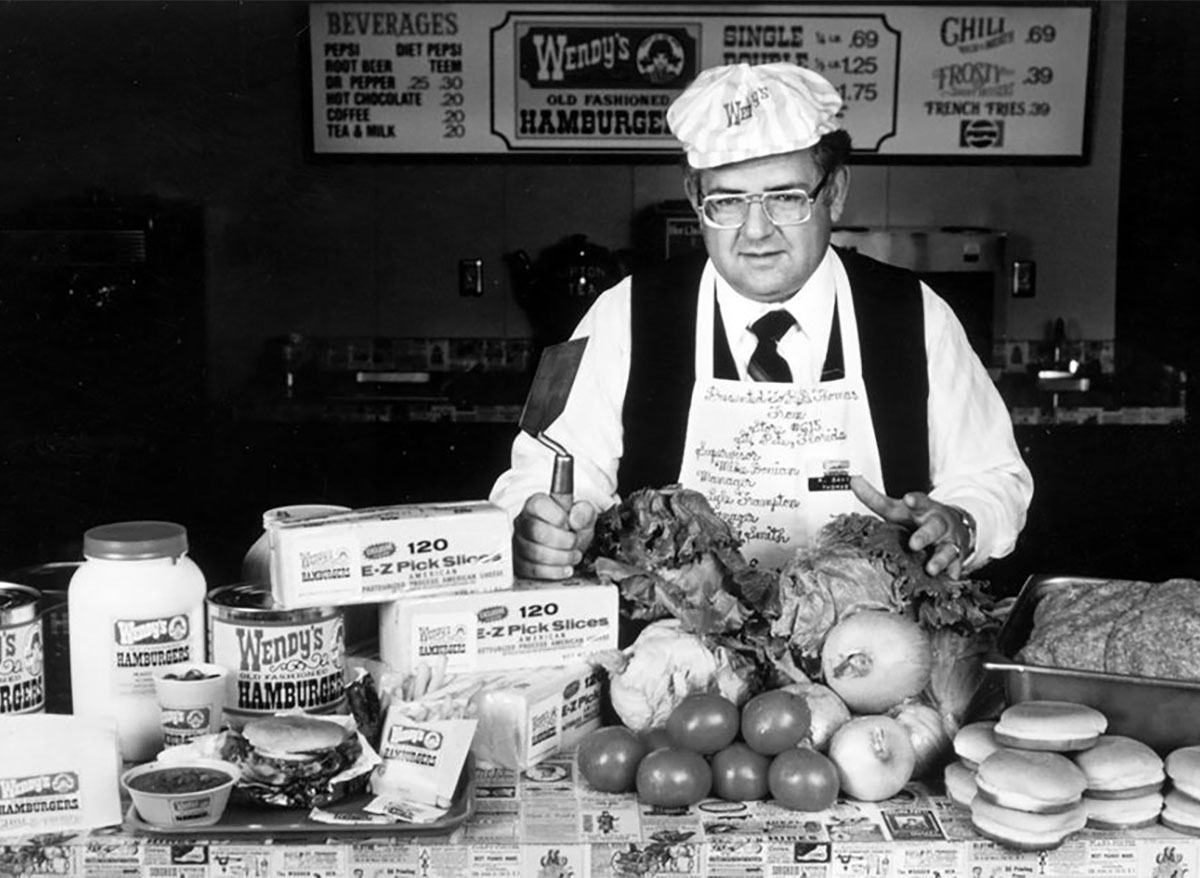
291	761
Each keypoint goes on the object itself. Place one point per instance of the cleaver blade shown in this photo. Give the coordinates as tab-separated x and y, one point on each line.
552	382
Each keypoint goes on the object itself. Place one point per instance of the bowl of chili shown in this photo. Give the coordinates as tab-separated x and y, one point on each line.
192	793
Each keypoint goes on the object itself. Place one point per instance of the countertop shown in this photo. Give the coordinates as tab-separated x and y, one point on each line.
546	823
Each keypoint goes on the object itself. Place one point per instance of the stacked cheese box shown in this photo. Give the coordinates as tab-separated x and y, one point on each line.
516	650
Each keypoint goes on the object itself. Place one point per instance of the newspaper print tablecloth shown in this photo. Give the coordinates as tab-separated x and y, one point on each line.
544	824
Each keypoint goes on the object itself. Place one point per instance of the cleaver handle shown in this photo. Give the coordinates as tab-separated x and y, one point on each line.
562	481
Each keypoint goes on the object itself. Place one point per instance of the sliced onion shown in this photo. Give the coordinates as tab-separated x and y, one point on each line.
875	659
874	757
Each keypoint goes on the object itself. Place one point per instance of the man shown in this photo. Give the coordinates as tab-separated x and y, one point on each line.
857	391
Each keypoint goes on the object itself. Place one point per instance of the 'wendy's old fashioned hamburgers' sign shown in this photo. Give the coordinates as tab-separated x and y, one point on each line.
972	81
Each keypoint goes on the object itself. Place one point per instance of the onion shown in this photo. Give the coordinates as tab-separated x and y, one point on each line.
874	757
928	734
829	712
875	659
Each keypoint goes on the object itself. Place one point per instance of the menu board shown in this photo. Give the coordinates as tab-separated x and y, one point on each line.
972	82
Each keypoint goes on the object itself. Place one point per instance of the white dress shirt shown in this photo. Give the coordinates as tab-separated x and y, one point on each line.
973	457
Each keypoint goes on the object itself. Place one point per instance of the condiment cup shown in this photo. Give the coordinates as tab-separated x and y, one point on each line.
192	699
174	794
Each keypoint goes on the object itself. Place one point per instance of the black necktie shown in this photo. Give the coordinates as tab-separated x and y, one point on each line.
766	364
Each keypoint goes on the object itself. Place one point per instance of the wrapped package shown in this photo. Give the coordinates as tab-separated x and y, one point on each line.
526	715
534	625
386	552
58	774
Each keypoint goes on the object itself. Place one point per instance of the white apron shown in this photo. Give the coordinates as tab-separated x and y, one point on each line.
775	460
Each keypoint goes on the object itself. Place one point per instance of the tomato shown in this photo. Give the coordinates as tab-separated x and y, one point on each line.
704	722
608	758
775	721
671	777
740	774
655	738
803	780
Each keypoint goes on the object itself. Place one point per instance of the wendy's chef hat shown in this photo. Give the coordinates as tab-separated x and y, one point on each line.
739	112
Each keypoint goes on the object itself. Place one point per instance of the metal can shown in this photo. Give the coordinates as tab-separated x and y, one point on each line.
278	659
22	661
51	579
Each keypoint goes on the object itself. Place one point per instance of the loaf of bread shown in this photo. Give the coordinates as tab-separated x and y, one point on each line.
1128	627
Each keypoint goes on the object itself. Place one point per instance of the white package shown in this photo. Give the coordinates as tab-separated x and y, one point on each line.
386	552
58	774
535	625
527	715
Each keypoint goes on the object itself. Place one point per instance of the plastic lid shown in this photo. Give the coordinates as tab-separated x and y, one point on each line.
135	540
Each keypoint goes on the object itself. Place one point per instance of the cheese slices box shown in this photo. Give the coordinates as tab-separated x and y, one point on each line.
387	552
527	715
533	625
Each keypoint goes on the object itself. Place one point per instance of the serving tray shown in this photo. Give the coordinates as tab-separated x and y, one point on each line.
245	820
1161	713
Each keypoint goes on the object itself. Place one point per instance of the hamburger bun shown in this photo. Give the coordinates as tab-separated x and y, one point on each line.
293	734
1031	780
1183	767
975	742
960	784
1181	812
1022	830
1059	726
1119	767
1128	813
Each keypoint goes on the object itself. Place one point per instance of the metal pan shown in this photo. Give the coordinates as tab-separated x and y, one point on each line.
1162	713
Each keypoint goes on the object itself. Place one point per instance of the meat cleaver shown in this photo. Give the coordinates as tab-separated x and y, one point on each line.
547	398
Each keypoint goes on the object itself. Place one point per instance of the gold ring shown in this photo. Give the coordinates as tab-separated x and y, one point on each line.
957	550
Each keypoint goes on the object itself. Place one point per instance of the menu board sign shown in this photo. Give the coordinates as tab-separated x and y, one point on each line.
973	82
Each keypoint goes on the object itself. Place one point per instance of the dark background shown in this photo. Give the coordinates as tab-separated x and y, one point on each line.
81	447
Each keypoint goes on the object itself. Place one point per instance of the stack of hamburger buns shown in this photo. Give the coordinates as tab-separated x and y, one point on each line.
974	743
1125	781
1181	809
1046	769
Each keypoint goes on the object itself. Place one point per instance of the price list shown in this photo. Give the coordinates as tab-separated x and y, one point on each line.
859	55
387	79
975	81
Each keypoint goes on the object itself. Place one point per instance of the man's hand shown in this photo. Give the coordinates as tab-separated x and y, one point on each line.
548	541
934	524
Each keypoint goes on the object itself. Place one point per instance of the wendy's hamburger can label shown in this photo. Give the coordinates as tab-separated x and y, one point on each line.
278	659
22	659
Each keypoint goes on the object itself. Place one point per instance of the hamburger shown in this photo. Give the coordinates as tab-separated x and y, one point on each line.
1029	800
291	761
1056	726
1181	805
1120	767
1035	781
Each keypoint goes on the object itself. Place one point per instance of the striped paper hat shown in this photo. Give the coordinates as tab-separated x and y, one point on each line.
739	112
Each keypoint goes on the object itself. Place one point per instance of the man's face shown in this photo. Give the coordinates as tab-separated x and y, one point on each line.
763	261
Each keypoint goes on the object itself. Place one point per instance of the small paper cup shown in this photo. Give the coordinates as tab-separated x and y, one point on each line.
192	793
192	699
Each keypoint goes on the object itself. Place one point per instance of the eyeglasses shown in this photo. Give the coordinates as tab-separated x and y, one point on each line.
783	207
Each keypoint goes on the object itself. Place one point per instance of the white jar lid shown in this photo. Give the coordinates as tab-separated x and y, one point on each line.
135	540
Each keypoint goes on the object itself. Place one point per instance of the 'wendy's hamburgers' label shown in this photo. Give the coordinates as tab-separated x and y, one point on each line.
22	669
278	659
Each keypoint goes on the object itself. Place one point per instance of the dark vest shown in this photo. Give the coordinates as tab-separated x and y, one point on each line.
662	371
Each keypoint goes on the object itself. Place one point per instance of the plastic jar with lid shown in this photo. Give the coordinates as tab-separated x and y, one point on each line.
135	604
